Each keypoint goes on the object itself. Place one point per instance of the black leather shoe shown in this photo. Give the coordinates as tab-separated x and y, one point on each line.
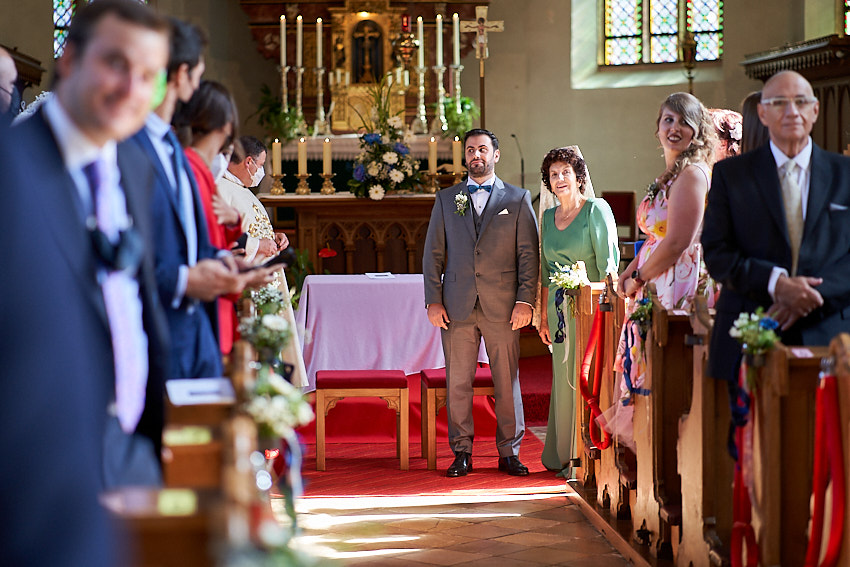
512	466
461	465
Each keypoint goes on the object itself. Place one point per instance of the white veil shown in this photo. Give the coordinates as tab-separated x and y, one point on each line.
548	201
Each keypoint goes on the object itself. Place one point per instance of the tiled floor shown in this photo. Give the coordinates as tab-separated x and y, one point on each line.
497	530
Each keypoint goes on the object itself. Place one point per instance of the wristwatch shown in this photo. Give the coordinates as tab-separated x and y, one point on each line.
636	277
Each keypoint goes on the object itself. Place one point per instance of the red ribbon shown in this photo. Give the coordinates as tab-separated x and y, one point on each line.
595	346
742	510
829	462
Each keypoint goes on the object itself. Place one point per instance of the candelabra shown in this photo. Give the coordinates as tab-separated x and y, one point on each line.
302	188
456	69
320	126
439	124
299	88
431	186
327	186
277	186
284	87
420	123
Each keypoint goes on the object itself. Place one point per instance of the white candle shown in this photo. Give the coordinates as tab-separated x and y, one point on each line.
319	43
420	33
347	78
456	37
326	157
432	155
276	157
302	157
338	76
457	155
299	42
330	79
439	40
283	42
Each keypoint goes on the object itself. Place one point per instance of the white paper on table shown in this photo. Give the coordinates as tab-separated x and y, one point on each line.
801	352
197	391
379	275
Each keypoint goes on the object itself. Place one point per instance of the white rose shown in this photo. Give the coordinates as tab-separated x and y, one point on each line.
275	323
396	176
390	157
376	192
373	170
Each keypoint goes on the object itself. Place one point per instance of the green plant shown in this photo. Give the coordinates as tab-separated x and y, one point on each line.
284	124
459	123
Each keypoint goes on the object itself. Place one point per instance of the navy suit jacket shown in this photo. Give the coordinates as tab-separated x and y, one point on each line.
195	350
744	236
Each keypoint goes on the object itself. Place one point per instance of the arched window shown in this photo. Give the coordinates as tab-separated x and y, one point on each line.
648	31
846	17
63	11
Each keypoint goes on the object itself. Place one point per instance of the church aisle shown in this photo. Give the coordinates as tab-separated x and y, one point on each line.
504	530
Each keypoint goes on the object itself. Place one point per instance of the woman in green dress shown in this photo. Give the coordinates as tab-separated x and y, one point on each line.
580	228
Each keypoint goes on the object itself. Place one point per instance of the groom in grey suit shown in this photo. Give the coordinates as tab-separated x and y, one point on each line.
480	267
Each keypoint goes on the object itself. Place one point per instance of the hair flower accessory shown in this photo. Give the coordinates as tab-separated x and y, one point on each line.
462	204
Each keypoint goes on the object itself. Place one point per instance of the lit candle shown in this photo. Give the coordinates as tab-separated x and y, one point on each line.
276	157
420	34
282	42
439	40
326	157
456	37
457	155
299	42
432	155
302	157
319	43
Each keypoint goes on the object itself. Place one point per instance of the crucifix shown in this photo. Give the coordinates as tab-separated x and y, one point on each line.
481	26
367	35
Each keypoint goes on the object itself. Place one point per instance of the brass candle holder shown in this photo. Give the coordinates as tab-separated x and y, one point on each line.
277	186
431	186
302	188
327	186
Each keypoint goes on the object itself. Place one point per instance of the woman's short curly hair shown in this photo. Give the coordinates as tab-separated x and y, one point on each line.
566	155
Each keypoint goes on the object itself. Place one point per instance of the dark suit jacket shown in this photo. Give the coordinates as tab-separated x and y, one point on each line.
55	371
745	236
195	350
499	266
70	235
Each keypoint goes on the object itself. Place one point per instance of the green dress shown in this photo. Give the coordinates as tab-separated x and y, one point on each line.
592	238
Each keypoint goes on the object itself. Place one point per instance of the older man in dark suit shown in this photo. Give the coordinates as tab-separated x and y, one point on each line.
777	229
480	266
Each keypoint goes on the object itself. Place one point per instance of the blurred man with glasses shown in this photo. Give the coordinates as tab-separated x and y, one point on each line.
777	229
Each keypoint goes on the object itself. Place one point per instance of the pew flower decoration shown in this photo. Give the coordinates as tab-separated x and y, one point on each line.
385	163
568	279
461	203
756	332
642	315
277	407
268	334
268	300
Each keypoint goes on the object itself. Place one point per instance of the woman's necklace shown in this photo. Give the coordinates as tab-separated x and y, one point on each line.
563	220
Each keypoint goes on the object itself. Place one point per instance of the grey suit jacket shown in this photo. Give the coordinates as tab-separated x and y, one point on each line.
499	266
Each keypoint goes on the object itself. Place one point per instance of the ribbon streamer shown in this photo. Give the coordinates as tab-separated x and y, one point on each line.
595	347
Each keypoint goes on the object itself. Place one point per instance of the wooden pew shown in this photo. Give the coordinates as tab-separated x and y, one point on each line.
657	502
839	349
704	464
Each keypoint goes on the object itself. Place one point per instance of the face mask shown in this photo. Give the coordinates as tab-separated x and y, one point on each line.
219	166
258	176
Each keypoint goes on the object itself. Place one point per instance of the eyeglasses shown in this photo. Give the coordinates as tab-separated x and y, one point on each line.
781	102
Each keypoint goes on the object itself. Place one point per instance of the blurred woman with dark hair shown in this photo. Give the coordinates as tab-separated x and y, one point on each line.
753	132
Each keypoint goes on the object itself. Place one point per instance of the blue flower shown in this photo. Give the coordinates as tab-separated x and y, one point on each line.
359	172
644	301
768	323
401	149
372	138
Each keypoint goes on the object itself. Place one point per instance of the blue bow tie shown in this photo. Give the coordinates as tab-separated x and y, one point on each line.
473	188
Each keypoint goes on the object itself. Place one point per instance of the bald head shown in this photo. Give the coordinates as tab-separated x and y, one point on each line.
8	76
788	109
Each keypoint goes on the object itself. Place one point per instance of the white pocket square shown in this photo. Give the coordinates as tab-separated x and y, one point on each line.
837	207
505	212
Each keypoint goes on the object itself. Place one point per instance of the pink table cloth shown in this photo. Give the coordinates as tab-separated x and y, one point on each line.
358	323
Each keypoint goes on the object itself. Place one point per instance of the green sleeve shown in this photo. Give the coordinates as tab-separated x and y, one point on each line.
603	236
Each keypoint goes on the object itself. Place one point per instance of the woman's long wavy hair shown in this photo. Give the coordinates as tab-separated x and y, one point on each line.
704	141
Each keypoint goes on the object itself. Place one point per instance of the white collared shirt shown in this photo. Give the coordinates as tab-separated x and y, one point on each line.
480	198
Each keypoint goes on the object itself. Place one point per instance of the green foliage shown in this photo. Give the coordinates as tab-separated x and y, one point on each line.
460	122
285	125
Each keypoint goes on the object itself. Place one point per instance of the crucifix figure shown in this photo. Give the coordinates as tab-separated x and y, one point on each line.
367	34
481	26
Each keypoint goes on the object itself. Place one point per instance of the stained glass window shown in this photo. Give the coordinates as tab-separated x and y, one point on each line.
648	31
63	11
846	17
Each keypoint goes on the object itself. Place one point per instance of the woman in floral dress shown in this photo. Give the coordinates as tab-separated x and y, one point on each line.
671	257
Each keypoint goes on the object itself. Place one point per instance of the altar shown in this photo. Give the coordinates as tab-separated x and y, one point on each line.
347	147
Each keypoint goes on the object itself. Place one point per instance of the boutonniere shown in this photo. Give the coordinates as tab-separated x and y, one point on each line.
462	203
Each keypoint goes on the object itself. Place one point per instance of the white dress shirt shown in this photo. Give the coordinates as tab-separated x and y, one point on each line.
480	198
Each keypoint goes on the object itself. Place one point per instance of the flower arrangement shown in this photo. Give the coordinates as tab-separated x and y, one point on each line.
756	332
268	334
277	406
384	163
279	122
642	315
569	278
461	203
268	299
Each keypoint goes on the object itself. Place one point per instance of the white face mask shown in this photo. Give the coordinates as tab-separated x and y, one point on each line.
219	166
258	176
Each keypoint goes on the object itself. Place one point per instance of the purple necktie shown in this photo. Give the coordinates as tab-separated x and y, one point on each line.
121	297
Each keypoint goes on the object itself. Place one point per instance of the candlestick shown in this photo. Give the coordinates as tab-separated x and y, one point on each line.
457	156
302	188
326	156
277	186
276	157
319	42
439	40
420	35
456	39
431	185
302	157
432	155
327	186
320	126
283	41
439	123
299	42
420	123
456	69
